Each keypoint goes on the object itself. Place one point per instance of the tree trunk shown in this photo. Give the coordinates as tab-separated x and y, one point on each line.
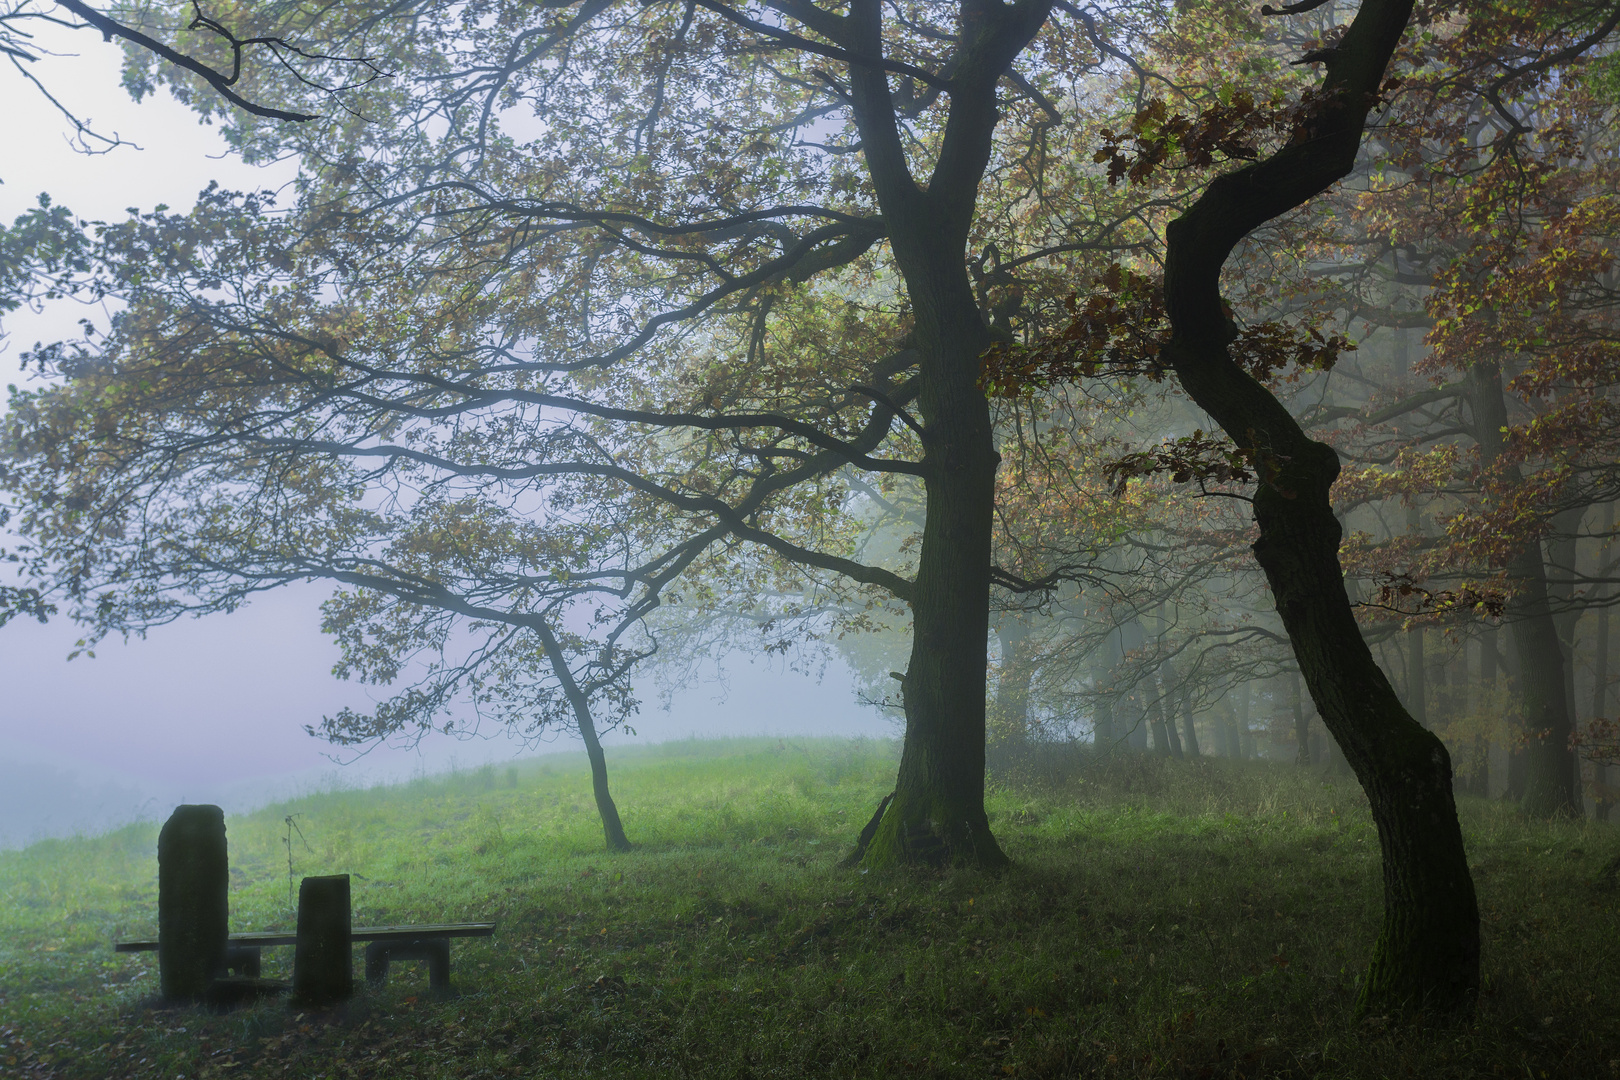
1600	661
1161	730
1243	740
1302	723
1165	684
1102	706
1131	640
1480	780
1231	741
1013	676
1189	731
1508	659
1549	762
937	813
1561	556
1427	955
1417	683
1104	659
1166	701
579	700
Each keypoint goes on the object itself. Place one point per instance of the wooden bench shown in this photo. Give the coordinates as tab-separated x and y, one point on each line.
430	942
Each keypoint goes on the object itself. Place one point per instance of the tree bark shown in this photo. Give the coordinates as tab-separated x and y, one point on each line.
1513	791
1566	526
1427	955
1102	708
1103	662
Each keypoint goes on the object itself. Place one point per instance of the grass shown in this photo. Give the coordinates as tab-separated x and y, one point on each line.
1162	919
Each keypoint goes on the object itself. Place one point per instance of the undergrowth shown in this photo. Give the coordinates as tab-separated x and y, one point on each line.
1162	919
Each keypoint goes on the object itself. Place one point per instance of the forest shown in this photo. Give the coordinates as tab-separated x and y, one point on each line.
1196	409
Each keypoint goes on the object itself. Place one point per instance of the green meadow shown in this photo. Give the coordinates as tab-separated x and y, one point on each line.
1162	919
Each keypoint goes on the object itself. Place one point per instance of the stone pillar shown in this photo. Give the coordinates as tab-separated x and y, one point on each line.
193	901
322	966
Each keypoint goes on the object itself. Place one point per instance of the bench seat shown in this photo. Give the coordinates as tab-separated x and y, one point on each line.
263	938
384	943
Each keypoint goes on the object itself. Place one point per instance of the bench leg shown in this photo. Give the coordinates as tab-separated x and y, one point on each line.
438	958
436	951
376	963
243	960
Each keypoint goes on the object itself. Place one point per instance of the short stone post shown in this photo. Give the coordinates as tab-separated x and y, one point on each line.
193	901
322	965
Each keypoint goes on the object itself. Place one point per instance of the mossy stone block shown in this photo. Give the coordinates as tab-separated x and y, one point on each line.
193	901
323	969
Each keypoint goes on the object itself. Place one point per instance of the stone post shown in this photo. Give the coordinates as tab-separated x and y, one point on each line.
193	901
322	965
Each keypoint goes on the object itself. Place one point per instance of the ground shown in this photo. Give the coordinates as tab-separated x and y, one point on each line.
1161	919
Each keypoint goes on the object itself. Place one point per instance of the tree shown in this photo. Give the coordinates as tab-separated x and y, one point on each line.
626	300
1428	951
1427	956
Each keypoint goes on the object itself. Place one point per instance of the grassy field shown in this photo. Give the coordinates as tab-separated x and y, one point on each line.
1162	919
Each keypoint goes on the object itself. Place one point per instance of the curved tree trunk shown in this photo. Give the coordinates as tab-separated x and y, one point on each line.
579	700
1427	955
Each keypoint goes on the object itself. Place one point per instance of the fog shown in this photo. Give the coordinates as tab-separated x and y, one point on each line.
213	710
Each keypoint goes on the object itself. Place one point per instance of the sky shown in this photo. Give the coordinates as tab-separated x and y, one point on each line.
212	710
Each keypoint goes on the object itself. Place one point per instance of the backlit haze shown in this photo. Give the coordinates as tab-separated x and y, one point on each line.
213	709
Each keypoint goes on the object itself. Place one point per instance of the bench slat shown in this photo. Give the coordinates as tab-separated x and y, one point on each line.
440	930
264	938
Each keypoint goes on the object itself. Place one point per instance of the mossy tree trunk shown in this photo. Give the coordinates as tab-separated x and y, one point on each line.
1427	954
